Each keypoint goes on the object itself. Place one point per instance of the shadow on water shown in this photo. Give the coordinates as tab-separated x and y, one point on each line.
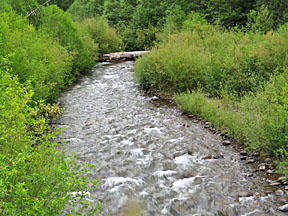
148	163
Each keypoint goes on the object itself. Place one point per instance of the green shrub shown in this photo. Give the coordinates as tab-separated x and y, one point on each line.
267	115
202	56
59	25
34	57
103	35
35	178
83	9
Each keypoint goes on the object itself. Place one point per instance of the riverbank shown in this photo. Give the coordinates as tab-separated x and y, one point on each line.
234	80
40	56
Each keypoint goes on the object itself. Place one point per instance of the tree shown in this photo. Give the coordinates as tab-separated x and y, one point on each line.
59	25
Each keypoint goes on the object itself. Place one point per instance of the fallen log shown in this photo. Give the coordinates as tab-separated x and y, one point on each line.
122	56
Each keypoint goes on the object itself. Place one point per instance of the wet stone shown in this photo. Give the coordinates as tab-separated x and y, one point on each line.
279	193
250	161
281	179
267	160
226	143
275	184
283	208
262	168
269	172
256	154
218	157
243	158
245	194
207	157
179	153
243	153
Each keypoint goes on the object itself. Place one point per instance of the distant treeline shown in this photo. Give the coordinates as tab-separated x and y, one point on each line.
139	21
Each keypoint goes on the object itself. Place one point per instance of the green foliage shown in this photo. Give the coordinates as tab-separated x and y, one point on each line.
34	57
173	23
260	21
267	115
103	35
221	114
259	119
35	178
228	13
60	26
212	59
278	10
82	9
63	4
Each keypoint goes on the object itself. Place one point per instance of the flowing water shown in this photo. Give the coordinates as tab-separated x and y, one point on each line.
148	163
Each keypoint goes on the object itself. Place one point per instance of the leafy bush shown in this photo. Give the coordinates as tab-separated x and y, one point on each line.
59	25
203	56
103	35
83	9
35	178
34	57
260	21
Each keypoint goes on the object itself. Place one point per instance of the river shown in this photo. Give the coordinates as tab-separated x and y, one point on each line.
147	161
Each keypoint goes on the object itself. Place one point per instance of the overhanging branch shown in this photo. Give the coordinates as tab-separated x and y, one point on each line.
38	8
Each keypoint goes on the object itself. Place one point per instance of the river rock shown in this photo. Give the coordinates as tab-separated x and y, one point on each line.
179	153
251	161
226	143
250	175
281	179
262	168
256	154
275	184
267	160
283	208
269	172
243	158
218	157
279	193
207	157
243	153
245	194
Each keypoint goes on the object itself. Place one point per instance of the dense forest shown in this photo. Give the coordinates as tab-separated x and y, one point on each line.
223	60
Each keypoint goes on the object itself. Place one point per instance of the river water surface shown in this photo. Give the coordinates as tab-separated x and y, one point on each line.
148	163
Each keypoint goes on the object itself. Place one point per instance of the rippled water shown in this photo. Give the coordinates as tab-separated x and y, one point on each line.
148	163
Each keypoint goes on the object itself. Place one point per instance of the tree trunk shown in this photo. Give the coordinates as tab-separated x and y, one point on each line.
122	56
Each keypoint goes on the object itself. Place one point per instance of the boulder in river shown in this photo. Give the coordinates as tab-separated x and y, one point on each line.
283	208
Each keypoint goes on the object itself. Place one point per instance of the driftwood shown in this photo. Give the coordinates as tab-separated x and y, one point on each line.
122	56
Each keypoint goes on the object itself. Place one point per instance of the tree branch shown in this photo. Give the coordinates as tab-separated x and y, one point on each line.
34	11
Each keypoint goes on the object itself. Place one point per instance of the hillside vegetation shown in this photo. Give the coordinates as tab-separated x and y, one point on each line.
40	55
